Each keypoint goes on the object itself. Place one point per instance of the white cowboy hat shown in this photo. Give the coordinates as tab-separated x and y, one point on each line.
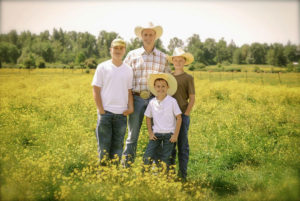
172	83
158	30
189	58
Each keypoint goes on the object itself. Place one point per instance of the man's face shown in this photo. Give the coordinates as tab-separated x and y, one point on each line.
161	87
178	62
117	52
148	37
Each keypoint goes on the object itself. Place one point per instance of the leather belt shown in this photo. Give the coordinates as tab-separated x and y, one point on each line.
143	94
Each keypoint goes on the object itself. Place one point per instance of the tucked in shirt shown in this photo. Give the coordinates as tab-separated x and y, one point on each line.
143	64
164	114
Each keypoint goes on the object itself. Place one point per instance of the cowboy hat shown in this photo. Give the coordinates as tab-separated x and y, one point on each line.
172	83
158	30
189	58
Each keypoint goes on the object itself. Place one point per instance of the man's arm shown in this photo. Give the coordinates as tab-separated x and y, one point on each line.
130	104
174	137
98	100
190	105
149	126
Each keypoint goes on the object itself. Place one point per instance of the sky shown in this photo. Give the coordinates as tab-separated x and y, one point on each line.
244	22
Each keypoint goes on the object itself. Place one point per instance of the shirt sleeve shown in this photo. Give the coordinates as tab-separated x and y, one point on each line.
148	112
191	86
176	108
127	59
167	67
130	80
98	77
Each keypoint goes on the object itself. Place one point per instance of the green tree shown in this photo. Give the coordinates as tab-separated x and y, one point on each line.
159	45
175	42
256	54
222	53
9	52
290	52
103	43
209	48
237	56
134	44
195	47
244	53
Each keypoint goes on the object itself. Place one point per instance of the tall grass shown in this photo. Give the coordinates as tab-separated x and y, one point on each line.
244	141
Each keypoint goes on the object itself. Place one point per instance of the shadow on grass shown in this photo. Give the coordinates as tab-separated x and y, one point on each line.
222	187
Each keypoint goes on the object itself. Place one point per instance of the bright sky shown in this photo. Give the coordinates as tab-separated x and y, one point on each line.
240	21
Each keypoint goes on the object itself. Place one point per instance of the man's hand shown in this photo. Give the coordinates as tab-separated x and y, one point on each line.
152	136
173	138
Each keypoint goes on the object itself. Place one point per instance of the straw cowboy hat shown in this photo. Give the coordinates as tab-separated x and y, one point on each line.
172	83
189	58
158	30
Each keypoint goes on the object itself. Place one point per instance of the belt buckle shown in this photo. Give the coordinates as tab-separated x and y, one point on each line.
145	94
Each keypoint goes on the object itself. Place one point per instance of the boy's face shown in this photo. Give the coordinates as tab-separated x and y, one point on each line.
178	62
117	52
161	87
148	37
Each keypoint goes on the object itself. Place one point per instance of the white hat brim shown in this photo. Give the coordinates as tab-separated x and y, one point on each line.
189	58
158	30
172	83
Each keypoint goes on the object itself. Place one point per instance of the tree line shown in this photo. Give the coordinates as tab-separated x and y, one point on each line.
70	48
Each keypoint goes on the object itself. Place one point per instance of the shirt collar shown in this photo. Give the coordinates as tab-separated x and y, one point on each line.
143	51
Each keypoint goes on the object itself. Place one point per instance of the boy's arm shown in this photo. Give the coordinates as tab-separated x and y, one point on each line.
149	126
98	100
174	137
130	104
190	105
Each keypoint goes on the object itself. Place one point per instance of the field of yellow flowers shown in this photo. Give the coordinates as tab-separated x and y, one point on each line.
244	140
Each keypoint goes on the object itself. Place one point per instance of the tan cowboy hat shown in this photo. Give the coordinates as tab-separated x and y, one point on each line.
189	58
158	30
172	83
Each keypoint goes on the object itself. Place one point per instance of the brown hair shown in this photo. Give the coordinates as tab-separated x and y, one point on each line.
161	79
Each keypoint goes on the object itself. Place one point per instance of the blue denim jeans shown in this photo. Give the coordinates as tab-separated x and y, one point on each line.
110	132
134	125
183	147
166	151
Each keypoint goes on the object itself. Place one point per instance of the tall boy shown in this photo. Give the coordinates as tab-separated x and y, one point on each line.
165	112
185	96
112	86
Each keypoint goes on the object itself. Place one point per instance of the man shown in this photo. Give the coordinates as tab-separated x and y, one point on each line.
144	61
112	84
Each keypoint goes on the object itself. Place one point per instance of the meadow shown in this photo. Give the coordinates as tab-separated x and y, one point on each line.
244	140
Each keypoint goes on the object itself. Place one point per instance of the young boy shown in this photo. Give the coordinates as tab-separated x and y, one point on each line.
166	115
185	97
112	84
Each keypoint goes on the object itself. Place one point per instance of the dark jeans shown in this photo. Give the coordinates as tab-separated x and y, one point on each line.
153	145
135	121
110	132
183	147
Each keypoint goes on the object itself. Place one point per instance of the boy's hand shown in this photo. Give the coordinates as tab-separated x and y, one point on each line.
128	112
187	114
101	111
173	138
152	136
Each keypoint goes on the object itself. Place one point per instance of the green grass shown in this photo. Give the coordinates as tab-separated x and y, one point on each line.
244	140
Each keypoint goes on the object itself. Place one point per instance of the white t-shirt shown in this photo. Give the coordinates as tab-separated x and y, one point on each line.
164	114
114	82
